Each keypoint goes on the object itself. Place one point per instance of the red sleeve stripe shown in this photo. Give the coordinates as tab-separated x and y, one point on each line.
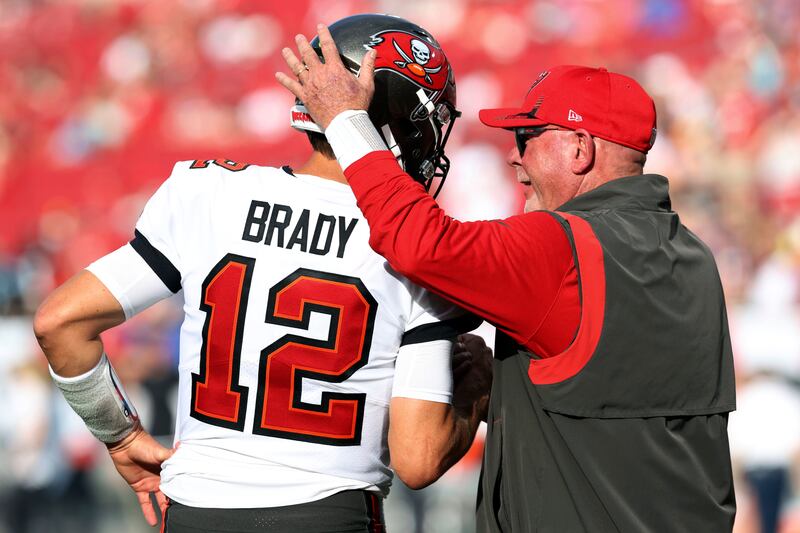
591	269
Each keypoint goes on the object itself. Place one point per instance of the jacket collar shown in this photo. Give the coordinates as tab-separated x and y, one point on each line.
649	192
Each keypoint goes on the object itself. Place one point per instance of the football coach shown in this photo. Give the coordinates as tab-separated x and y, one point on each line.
613	376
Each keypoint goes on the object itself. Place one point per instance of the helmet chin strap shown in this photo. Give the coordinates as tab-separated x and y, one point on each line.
426	101
392	144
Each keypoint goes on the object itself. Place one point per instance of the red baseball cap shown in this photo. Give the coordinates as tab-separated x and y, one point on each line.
607	105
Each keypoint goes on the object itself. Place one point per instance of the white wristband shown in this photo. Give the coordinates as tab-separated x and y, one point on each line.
99	399
352	135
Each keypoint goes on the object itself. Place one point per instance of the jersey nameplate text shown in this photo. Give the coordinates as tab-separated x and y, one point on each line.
278	225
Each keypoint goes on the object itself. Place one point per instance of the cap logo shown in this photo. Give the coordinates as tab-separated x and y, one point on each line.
574	117
416	60
539	80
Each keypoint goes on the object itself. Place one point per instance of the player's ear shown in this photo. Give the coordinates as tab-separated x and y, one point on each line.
583	151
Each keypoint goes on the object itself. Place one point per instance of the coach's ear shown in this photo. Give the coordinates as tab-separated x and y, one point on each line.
582	151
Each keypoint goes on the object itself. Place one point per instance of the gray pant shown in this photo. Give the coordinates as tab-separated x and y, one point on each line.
352	511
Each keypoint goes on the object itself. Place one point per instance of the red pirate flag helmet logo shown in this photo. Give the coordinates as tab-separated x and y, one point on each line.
410	56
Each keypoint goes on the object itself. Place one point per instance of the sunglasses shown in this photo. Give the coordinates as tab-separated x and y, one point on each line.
523	135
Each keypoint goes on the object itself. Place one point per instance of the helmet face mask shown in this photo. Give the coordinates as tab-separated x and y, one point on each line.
414	106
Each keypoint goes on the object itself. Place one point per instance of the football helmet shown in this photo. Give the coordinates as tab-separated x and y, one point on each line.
414	106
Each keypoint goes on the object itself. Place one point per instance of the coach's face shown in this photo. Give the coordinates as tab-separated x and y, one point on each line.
551	167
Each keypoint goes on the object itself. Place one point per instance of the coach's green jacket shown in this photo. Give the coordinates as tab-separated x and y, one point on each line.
626	430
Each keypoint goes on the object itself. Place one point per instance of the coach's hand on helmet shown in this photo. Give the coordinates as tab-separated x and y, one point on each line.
326	89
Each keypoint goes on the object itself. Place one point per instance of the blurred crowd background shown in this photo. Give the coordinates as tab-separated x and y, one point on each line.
100	97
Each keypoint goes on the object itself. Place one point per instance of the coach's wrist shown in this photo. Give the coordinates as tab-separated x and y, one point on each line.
352	135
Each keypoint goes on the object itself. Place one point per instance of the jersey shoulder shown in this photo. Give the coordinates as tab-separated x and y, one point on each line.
194	184
207	175
309	190
223	168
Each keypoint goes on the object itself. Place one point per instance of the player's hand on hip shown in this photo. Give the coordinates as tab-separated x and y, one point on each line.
472	374
138	458
326	89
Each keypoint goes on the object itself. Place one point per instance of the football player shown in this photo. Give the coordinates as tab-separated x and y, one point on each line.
299	342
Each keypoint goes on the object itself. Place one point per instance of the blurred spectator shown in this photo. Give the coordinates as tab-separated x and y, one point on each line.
48	452
765	429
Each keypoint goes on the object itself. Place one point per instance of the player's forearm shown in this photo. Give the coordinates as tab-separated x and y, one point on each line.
68	324
454	441
68	327
464	428
68	351
426	445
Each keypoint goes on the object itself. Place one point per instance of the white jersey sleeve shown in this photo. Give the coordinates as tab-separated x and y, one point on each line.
144	271
424	372
155	234
423	369
130	280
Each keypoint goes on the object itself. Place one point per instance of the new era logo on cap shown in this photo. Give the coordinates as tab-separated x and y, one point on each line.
574	117
613	106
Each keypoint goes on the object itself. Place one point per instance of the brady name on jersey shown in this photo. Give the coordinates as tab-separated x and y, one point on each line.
274	225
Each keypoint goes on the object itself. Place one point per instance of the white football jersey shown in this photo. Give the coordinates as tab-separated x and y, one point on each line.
293	328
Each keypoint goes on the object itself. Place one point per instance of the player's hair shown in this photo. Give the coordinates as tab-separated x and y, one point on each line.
320	144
